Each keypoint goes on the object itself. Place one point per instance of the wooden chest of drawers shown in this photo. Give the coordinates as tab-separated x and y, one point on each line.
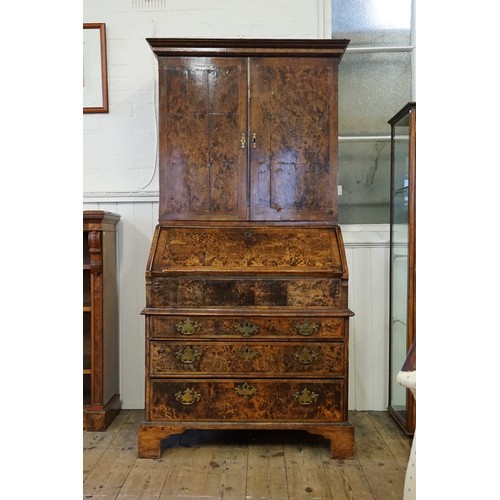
257	339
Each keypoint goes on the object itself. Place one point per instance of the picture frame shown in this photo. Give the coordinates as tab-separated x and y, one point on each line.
95	73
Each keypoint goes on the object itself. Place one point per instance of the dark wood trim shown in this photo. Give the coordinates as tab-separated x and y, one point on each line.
402	112
99	217
221	47
247	311
247	223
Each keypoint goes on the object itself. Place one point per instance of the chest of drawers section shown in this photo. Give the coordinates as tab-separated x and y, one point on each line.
246	327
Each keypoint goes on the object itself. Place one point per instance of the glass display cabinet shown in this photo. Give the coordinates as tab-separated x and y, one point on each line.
402	261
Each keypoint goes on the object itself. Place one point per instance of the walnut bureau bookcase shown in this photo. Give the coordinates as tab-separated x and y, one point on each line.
246	282
101	398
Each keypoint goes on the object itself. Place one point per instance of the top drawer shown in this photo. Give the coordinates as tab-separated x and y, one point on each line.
248	251
220	327
236	292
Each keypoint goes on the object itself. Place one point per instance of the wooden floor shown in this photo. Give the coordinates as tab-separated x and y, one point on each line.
246	464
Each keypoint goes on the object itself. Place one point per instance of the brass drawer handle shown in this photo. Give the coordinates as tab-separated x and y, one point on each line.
188	355
187	327
245	390
305	397
247	354
304	356
188	397
306	328
247	329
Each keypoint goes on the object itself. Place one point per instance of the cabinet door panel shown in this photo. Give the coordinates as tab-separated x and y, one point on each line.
203	103
294	159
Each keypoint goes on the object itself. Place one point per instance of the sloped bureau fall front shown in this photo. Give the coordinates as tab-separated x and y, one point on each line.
246	283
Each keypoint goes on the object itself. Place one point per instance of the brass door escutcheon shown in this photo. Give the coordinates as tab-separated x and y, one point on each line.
187	327
305	397
243	140
247	329
254	140
188	397
304	356
188	355
306	328
247	354
245	390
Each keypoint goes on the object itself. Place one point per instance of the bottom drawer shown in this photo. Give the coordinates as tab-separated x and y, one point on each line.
252	399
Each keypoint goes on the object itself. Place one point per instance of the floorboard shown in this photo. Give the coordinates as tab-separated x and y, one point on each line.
246	465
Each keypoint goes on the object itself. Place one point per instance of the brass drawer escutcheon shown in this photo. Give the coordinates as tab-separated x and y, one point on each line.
247	354
156	287
336	288
305	397
245	390
304	356
187	327
188	355
306	328
188	397
247	329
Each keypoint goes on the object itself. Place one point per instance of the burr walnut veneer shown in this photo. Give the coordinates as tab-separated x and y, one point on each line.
246	283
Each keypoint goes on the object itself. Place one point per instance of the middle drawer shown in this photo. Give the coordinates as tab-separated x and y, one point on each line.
265	359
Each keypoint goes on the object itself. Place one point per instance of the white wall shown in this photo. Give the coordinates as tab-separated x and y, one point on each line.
119	172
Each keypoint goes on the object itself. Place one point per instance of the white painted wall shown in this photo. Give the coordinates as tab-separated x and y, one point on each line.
119	170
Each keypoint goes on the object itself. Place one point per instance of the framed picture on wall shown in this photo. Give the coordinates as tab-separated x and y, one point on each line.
95	77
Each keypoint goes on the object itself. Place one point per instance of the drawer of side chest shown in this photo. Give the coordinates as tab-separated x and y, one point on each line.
184	327
251	399
260	359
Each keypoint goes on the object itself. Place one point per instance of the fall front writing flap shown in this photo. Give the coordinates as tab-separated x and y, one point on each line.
288	251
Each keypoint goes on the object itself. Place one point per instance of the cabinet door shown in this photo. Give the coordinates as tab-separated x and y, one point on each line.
293	129
203	114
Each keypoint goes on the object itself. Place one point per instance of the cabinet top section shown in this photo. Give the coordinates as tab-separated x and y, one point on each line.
245	47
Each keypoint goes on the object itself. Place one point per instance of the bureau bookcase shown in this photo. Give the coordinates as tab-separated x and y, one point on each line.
247	282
